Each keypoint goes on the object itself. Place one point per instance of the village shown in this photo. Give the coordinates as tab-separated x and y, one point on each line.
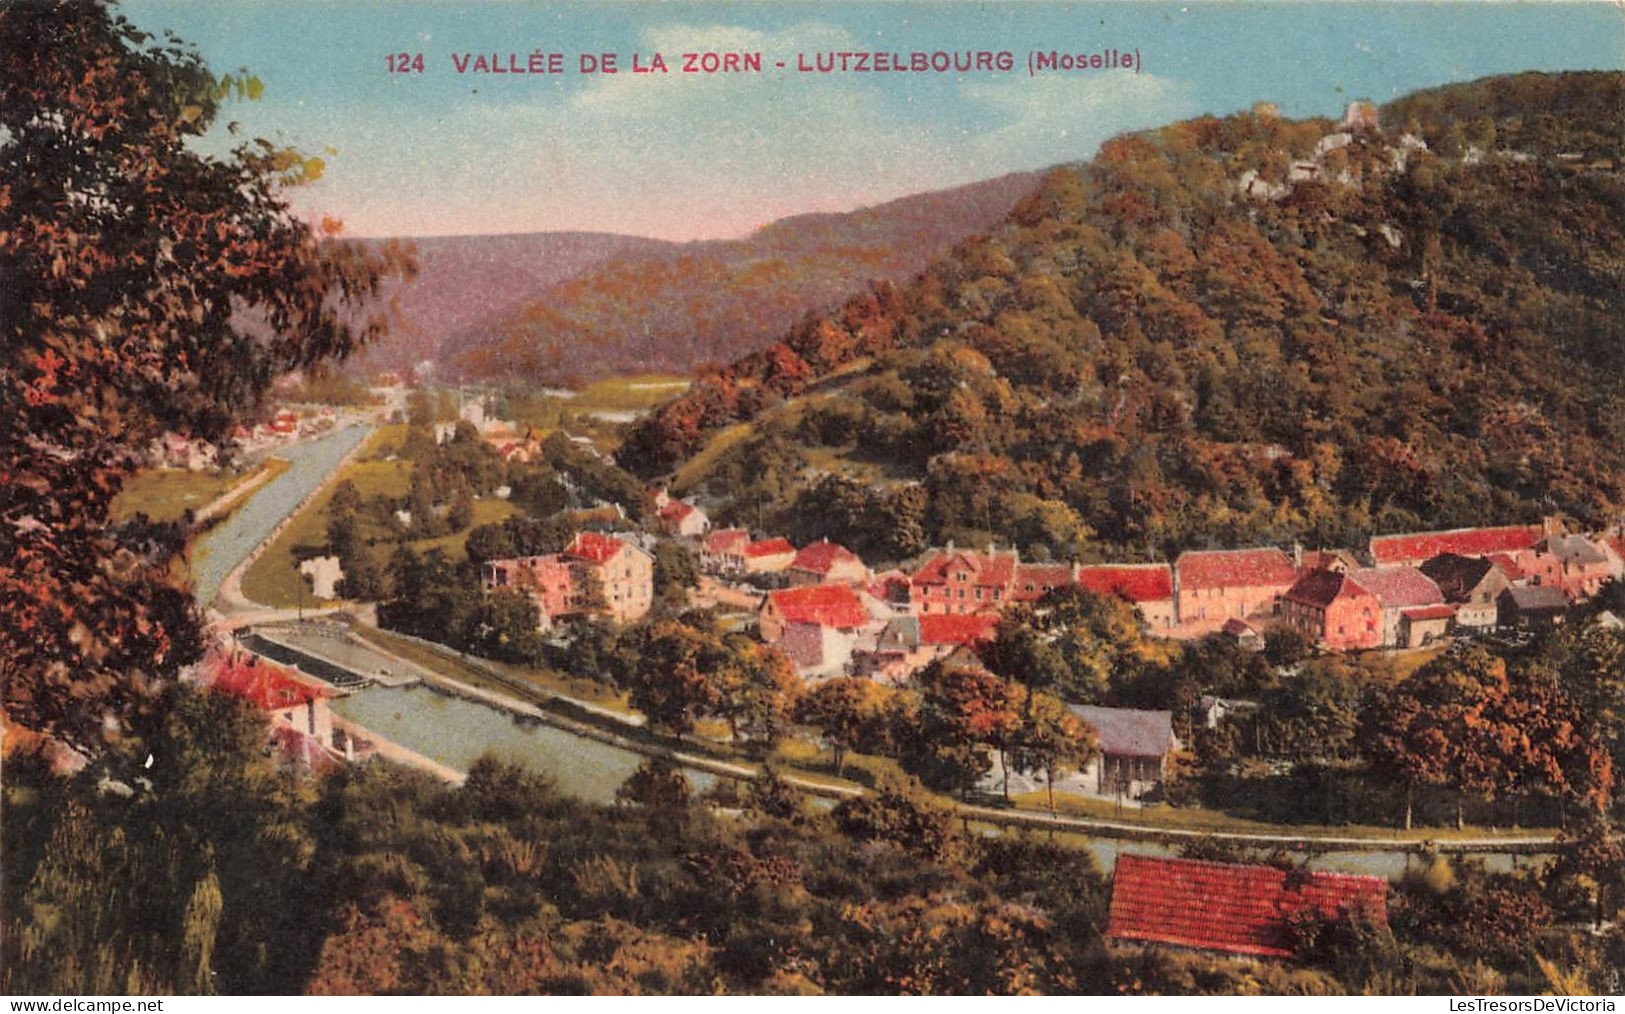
831	615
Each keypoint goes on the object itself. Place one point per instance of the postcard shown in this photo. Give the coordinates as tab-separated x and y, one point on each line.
890	498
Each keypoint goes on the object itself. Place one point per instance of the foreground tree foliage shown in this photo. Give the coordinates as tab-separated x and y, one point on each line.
147	288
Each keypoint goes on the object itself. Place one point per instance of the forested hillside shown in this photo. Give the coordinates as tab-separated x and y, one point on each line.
1225	331
469	283
679	306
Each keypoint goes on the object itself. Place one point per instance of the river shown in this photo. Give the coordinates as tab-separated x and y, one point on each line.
227	544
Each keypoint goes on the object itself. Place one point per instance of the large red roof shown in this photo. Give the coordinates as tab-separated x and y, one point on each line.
769	547
989	569
1419	546
944	628
594	547
267	686
1137	582
828	605
820	556
1235	568
1320	588
1397	587
1229	907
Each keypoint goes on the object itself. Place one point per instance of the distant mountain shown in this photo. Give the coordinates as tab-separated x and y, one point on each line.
1227	331
676	307
466	283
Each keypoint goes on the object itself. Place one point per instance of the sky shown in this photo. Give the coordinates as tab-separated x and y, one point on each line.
693	156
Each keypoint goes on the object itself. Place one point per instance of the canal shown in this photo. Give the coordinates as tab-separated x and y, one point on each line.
455	732
228	544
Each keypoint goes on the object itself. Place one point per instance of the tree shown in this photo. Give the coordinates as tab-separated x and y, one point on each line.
756	689
657	783
899	814
506	628
1413	736
148	287
1286	646
675	572
1052	740
674	680
964	710
850	713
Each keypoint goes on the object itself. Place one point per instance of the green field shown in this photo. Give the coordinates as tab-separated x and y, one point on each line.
274	579
629	394
165	494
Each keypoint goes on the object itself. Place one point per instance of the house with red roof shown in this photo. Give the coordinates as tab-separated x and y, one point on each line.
1398	589
546	580
769	556
622	573
1508	566
1334	609
722	551
681	519
1231	908
963	581
595	573
826	562
1212	586
1414	548
1035	580
838	606
297	707
907	644
816	626
1424	625
892	588
1324	559
1149	586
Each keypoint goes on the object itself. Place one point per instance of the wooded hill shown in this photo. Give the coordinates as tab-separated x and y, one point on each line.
1225	331
675	307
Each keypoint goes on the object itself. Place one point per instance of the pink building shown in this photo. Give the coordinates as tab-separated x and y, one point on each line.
1213	586
1573	563
962	581
1334	609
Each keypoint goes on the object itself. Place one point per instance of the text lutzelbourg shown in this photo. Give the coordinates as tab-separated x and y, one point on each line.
1534	1005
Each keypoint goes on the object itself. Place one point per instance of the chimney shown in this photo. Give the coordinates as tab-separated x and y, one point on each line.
1297	555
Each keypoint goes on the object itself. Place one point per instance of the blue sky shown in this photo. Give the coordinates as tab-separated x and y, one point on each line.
687	157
